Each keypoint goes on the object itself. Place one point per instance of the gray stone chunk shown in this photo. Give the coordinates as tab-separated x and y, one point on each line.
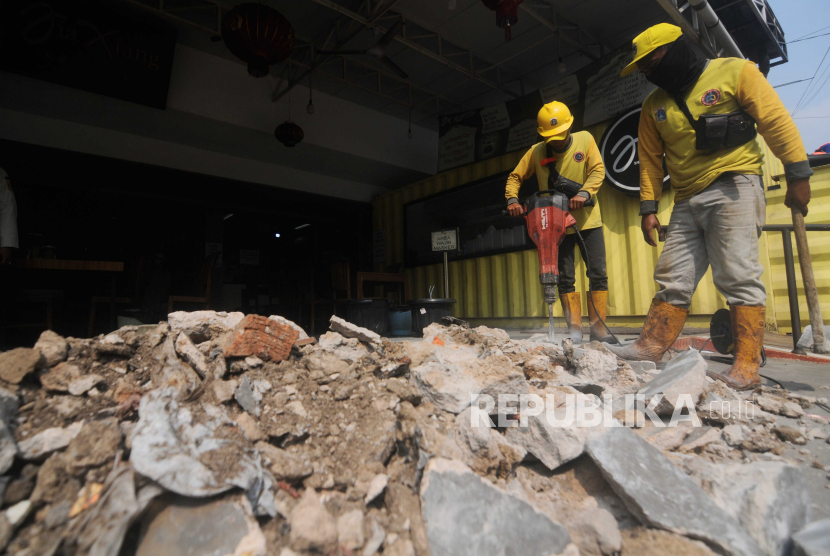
467	516
188	526
661	495
8	448
245	396
685	374
813	540
770	499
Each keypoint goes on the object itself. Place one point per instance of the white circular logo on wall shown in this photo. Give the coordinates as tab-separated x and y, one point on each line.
618	149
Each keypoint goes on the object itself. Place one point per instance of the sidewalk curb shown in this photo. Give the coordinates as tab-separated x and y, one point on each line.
772	353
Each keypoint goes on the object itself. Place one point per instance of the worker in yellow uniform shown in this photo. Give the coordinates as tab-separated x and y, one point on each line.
704	116
571	163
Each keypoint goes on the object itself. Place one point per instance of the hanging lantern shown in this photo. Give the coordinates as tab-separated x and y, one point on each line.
258	35
507	14
289	134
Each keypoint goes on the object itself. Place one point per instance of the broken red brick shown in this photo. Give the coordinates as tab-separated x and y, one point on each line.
438	341
262	337
305	342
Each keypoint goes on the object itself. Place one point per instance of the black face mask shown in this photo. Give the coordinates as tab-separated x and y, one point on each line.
679	68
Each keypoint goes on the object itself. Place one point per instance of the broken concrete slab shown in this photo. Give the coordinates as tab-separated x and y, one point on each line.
168	447
82	385
203	325
699	438
52	347
191	354
593	365
596	533
60	377
813	540
789	434
312	526
376	487
224	390
350	530
17	363
184	527
452	386
45	442
8	448
552	445
770	499
284	465
466	515
684	375
661	495
666	438
95	444
777	405
349	330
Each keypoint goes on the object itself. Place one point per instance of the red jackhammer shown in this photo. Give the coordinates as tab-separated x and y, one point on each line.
548	219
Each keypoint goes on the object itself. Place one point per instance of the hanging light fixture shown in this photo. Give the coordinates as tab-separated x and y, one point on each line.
288	133
507	14
310	107
258	35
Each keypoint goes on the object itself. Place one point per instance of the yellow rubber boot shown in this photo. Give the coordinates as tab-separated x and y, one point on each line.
748	335
662	327
572	309
597	312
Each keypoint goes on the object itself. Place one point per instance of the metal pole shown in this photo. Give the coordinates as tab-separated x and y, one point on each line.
714	25
792	290
446	277
819	343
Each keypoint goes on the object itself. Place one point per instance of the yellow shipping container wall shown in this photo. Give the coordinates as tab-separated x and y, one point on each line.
504	290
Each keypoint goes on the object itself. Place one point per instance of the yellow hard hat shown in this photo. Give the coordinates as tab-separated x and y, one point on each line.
554	121
649	40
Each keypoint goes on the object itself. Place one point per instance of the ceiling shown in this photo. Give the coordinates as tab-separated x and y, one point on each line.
473	66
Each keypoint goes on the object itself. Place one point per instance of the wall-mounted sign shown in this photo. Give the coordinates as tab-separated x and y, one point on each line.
618	149
88	45
445	240
608	95
565	90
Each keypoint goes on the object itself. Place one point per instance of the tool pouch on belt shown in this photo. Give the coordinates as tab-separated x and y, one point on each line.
719	131
569	187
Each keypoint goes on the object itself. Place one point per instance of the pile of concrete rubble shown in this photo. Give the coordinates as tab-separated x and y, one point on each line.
219	433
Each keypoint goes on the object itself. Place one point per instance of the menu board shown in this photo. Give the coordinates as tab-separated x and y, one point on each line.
608	95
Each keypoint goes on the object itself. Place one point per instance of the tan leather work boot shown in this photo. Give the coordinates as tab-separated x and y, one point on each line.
572	309
597	312
662	327
748	335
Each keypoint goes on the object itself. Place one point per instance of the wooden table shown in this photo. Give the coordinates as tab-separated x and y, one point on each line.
112	267
382	278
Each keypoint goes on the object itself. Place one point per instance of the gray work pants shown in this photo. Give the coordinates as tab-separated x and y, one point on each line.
718	226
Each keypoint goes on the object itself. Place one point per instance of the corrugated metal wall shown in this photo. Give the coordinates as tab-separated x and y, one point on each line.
505	290
819	243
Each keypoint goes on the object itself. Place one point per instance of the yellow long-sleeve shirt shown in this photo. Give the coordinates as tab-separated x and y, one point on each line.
726	85
580	163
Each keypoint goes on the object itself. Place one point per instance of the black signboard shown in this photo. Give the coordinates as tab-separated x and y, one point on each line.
618	149
87	45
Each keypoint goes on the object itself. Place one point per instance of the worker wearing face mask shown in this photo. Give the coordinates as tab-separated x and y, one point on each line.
571	163
704	116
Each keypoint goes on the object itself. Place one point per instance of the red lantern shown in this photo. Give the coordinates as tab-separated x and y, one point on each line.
258	35
507	14
289	134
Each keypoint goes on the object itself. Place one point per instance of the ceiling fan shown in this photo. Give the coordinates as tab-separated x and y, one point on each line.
378	50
